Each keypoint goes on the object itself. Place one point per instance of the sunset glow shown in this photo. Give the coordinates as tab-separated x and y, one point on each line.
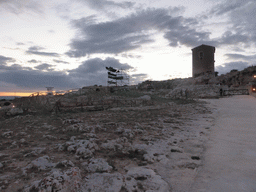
18	94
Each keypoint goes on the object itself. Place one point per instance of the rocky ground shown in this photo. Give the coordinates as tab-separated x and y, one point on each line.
148	148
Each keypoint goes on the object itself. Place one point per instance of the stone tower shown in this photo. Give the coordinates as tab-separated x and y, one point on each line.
203	60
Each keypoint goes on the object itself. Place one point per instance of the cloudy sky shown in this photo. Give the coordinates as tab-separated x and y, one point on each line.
67	44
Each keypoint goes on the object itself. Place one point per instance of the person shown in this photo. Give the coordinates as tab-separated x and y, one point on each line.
221	92
186	93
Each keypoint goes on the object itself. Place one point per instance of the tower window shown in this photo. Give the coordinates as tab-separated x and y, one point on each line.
201	54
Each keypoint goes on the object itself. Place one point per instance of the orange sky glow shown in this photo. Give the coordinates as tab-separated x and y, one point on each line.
18	94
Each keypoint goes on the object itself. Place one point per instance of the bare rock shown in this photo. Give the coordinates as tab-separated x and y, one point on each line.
125	132
71	121
60	147
15	111
82	148
65	163
145	97
50	137
119	145
69	180
176	149
188	164
36	151
41	164
85	152
143	179
112	145
49	127
103	182
22	140
7	134
149	158
98	165
77	128
21	134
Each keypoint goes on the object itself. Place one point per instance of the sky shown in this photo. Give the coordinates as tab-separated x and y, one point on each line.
67	44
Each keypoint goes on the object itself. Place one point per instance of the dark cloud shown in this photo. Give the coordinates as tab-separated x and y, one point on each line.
230	38
238	49
241	19
97	65
104	4
90	72
30	79
33	61
4	60
14	67
18	7
138	78
241	57
130	56
36	51
227	67
59	61
139	75
45	67
229	6
94	71
133	31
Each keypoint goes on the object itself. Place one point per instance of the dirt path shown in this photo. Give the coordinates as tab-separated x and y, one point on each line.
229	162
